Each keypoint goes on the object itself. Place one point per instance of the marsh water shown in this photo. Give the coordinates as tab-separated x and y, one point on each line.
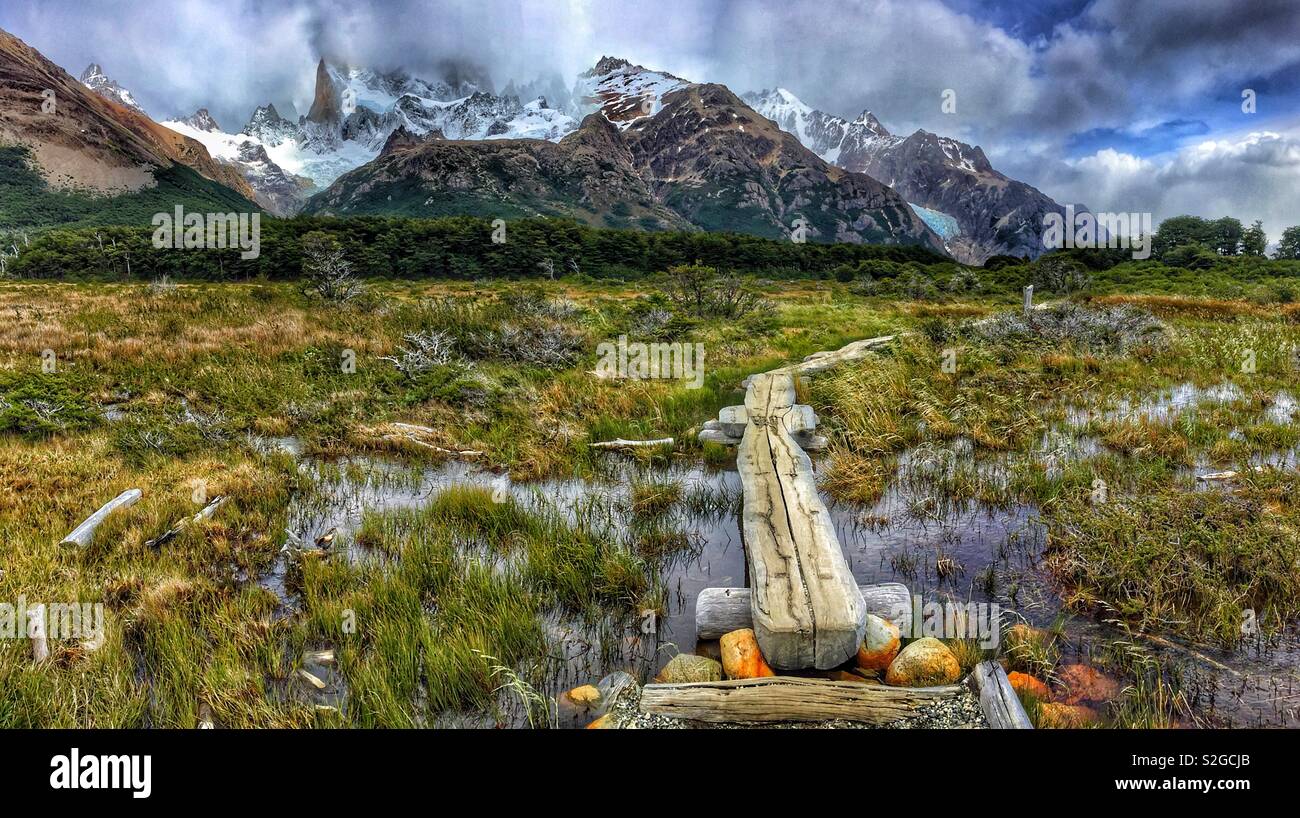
988	554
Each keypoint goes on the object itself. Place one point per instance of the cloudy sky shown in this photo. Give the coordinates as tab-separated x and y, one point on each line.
1122	105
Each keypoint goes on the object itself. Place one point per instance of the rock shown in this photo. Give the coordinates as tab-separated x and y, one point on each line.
741	657
880	644
1027	685
924	663
687	668
587	695
1083	683
1065	716
851	676
602	723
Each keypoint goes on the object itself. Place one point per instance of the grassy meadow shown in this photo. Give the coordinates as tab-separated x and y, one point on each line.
183	390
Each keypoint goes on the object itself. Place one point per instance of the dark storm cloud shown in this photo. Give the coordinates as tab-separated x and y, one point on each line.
1033	82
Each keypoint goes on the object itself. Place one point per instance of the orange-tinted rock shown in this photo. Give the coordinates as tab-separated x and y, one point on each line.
1026	685
1065	716
880	644
602	723
924	663
1082	683
741	658
587	695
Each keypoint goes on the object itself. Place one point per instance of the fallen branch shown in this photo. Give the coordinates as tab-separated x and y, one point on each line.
183	523
411	433
84	533
620	443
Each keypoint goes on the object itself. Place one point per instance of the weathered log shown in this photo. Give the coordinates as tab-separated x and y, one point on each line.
998	698
722	610
84	533
716	432
807	610
183	523
788	698
620	443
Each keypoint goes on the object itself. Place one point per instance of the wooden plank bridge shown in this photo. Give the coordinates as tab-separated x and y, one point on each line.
806	608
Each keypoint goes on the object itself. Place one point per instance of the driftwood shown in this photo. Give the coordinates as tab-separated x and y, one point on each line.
998	699
788	698
620	443
413	434
722	610
183	523
36	631
84	533
822	361
807	610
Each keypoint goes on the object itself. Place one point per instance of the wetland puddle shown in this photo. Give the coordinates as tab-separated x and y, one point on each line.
990	554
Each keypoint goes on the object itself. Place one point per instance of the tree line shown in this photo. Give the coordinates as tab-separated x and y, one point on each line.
458	247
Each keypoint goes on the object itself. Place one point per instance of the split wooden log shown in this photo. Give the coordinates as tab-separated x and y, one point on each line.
788	698
807	610
84	533
620	443
36	632
723	610
998	699
180	525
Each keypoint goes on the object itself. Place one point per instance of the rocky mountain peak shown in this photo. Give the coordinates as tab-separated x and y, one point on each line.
325	107
869	121
607	65
201	120
96	80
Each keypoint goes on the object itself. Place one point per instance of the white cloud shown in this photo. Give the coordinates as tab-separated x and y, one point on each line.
1254	175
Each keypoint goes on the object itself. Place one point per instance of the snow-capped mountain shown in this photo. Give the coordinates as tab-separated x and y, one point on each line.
354	111
201	120
96	80
652	150
978	211
623	92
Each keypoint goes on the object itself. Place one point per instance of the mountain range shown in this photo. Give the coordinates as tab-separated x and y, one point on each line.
622	146
978	211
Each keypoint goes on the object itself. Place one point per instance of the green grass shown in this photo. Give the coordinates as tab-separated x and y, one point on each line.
26	201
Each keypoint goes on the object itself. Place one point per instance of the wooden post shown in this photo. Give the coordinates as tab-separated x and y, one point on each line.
807	610
1029	298
36	632
998	698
